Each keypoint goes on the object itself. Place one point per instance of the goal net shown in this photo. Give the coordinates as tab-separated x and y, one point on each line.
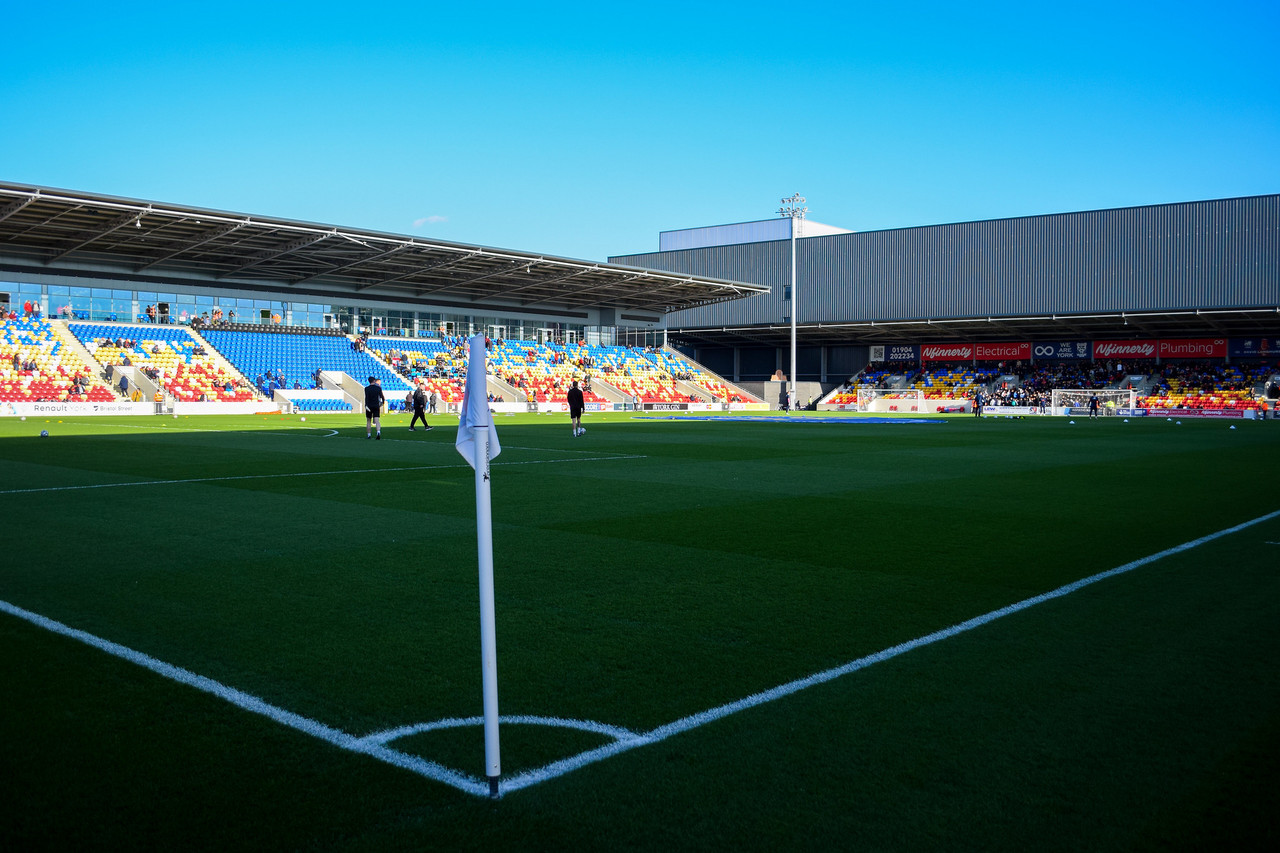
890	399
1076	400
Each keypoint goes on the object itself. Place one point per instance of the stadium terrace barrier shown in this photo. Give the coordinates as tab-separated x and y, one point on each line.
250	407
312	400
28	410
1012	410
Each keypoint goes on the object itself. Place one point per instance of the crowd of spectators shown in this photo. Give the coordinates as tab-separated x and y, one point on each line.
1207	377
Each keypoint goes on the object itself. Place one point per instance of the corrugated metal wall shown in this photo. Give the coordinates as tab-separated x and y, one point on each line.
720	235
1213	254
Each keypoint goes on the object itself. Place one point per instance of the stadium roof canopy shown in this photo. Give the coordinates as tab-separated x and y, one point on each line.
57	232
1116	325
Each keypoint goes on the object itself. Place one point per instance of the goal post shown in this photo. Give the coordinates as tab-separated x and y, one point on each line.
890	399
1109	399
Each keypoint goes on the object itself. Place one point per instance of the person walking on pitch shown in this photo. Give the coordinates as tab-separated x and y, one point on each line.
576	406
419	408
373	402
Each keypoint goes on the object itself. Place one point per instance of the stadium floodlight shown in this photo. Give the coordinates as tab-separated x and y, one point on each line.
791	208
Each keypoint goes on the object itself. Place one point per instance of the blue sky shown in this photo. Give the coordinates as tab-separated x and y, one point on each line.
585	129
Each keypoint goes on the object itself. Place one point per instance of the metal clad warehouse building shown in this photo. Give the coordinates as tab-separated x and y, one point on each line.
1207	268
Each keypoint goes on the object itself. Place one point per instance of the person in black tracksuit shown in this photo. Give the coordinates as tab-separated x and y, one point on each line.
373	402
419	408
576	405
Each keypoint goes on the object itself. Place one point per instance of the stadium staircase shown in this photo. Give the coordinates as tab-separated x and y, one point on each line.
38	340
72	343
185	374
299	355
218	359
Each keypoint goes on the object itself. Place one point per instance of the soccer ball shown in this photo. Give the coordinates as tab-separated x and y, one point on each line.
304	419
44	433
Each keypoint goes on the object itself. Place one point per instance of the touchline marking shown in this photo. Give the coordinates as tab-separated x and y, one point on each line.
374	745
253	704
693	721
305	474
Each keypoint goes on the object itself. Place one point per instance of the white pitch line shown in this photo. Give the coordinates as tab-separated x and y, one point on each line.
693	721
373	745
254	705
616	732
305	474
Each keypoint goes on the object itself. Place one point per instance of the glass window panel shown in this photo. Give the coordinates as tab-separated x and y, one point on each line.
122	294
55	290
165	297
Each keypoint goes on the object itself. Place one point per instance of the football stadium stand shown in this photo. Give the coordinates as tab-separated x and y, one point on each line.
956	381
1208	385
544	372
432	363
169	356
278	360
35	366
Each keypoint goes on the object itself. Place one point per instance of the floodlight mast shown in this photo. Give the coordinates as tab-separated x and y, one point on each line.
791	208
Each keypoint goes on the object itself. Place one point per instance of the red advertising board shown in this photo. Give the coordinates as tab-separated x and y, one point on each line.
1198	413
1004	352
1198	348
946	352
1125	349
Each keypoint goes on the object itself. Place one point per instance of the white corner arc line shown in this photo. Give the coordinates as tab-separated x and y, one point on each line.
373	745
618	733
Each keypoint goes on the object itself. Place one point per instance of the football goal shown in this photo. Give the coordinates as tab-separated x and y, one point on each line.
890	399
1109	399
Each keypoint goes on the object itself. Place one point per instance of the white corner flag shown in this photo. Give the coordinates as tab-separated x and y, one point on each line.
475	406
478	443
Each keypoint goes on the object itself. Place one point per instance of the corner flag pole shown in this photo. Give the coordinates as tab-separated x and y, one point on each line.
478	443
488	629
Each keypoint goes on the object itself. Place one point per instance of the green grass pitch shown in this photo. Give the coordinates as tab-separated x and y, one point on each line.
651	570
